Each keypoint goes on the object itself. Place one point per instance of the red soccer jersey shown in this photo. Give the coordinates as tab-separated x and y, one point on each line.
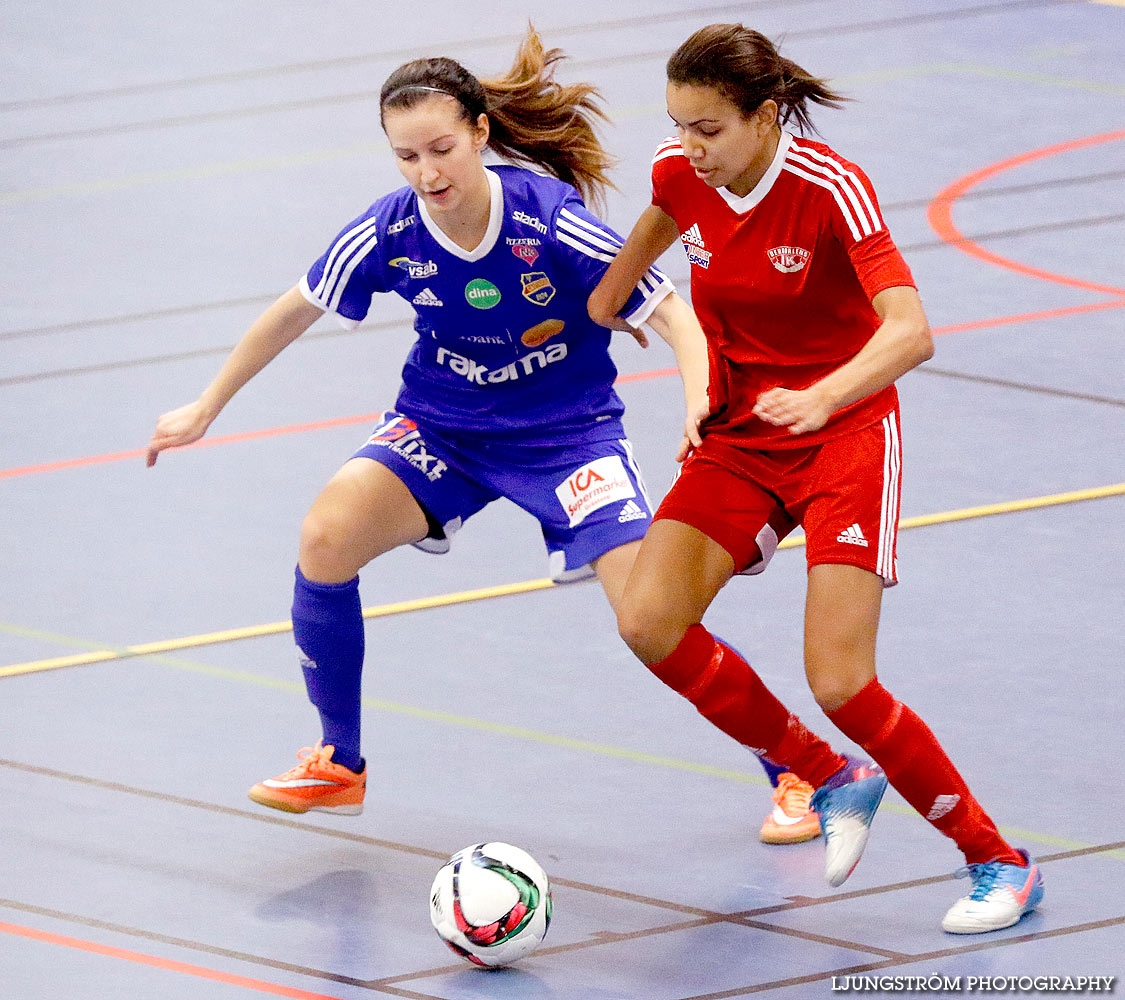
782	281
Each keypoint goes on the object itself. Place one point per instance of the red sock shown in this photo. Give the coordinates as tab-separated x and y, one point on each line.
727	692
916	765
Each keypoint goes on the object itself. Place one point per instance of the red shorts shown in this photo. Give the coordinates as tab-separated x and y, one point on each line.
844	492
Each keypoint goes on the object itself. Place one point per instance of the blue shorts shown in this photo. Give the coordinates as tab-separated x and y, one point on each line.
588	497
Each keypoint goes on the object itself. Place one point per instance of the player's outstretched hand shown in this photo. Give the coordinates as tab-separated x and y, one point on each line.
177	428
800	410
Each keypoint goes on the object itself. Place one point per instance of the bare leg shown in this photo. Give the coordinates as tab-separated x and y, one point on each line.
841	622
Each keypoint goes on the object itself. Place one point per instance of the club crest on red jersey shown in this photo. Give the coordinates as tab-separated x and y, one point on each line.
788	259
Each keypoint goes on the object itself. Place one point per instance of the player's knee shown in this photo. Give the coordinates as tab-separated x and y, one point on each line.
324	553
650	635
835	677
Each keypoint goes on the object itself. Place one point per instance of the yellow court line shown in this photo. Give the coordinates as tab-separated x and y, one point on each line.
505	590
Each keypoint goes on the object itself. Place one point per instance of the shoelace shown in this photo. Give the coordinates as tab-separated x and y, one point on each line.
983	876
309	757
792	794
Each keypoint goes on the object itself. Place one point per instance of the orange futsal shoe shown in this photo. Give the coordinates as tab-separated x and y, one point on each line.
793	820
315	784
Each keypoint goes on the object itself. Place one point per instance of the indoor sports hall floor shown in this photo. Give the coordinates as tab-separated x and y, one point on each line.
167	171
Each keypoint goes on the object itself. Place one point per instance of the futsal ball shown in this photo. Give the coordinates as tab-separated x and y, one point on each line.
491	903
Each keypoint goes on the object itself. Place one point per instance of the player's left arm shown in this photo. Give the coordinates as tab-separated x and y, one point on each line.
678	325
901	342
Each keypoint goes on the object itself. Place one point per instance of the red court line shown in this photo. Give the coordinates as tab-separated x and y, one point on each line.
982	324
939	213
168	965
367	418
122	456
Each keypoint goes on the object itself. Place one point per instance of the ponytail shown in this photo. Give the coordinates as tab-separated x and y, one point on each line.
533	119
745	67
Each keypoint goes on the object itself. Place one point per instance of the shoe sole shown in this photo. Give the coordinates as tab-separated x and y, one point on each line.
803	838
300	809
984	930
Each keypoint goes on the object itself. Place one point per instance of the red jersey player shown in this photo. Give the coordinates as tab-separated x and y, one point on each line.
810	314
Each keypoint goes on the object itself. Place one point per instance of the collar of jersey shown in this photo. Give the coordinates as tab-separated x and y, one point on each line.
754	196
491	234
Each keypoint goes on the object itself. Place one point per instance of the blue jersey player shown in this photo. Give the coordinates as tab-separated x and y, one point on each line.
507	391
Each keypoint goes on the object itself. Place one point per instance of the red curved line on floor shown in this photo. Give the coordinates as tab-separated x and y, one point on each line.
368	418
168	965
939	213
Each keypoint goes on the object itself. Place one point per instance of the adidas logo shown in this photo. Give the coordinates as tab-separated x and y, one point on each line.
942	804
692	235
631	511
427	298
853	536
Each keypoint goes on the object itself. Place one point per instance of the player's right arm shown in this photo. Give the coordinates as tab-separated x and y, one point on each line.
654	233
273	331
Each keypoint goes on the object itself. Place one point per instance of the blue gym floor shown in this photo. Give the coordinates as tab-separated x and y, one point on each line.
168	171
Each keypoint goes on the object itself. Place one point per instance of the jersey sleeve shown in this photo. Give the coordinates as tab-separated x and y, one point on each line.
664	163
348	273
590	247
858	224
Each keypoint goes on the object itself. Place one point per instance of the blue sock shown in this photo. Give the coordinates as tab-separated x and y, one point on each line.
773	771
328	629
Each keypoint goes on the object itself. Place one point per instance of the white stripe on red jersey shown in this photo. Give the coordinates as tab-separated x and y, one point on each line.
846	188
838	165
669	147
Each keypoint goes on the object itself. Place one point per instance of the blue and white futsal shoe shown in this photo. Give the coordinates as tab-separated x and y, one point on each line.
1001	895
846	812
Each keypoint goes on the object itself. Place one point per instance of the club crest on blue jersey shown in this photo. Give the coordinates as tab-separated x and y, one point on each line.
537	287
415	268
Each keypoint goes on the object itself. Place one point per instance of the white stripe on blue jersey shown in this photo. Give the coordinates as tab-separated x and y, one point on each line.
363	237
365	248
581	234
577	220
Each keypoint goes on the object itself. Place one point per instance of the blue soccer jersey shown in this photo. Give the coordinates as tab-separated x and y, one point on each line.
505	346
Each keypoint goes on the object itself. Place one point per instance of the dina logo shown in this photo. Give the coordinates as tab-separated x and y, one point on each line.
481	293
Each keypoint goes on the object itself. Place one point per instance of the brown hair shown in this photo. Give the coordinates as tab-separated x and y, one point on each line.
745	67
533	119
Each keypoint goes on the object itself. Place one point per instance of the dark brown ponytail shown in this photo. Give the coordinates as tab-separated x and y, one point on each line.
533	119
745	67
